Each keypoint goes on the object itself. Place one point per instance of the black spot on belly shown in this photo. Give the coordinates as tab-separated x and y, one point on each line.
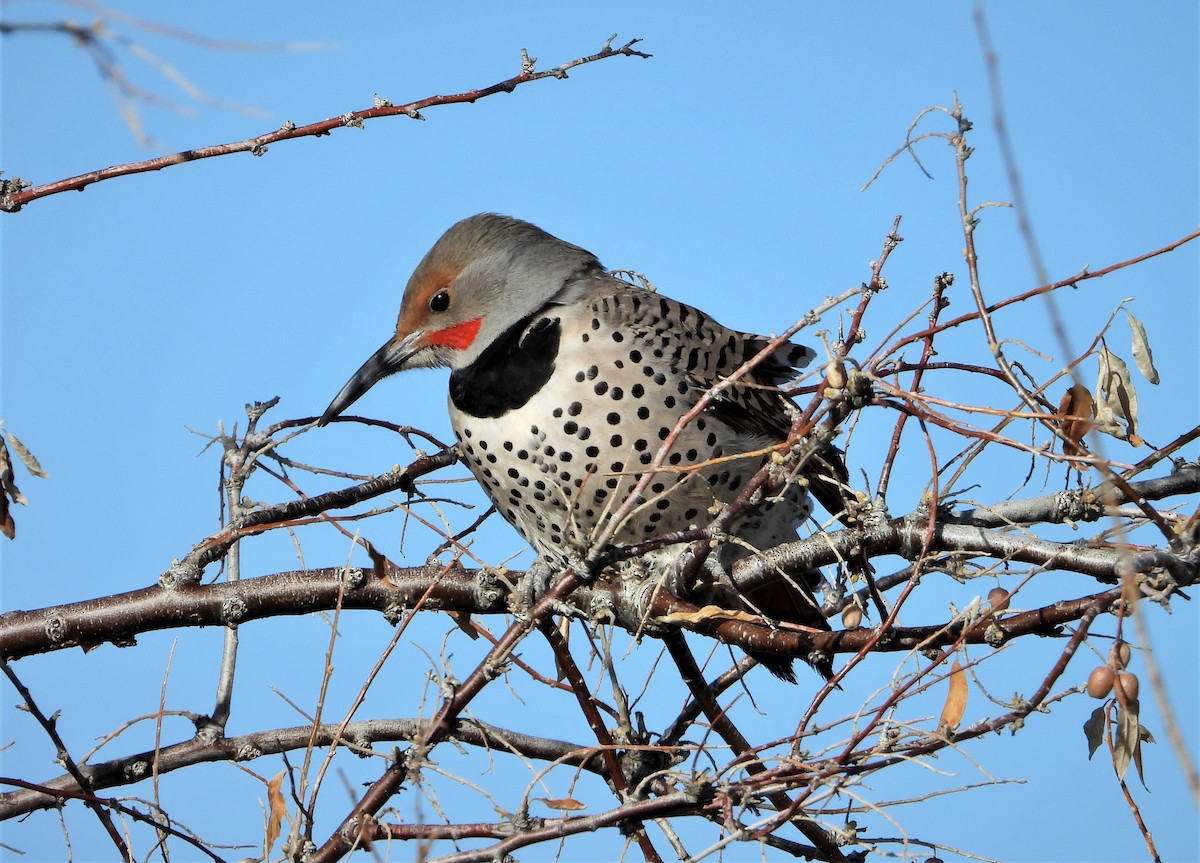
509	371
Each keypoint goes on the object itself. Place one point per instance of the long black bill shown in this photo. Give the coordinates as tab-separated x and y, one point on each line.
388	360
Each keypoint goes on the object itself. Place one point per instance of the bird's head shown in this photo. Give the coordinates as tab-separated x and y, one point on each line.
485	275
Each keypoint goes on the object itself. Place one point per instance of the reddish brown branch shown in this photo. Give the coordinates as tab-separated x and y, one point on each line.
1134	810
1072	281
357	736
295	512
63	755
116	806
608	751
940	284
120	618
687	802
14	195
724	727
347	837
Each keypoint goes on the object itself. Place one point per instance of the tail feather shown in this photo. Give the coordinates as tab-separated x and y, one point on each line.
793	602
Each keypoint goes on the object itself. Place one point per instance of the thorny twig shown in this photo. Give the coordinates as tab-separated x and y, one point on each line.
15	194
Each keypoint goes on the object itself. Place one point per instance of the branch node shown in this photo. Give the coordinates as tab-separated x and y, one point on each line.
353	577
995	635
394	612
1077	505
180	574
8	188
233	611
56	629
528	64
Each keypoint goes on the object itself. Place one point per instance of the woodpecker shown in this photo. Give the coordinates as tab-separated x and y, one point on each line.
565	384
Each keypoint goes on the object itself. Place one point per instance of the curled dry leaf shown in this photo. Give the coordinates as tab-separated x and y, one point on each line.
563	804
709	612
8	485
1127	741
8	491
956	699
462	619
277	809
1076	411
1142	355
1093	730
27	458
1116	398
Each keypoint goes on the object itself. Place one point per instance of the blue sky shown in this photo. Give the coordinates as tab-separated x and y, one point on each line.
728	169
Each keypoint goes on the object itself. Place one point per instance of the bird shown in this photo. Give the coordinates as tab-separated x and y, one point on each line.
566	382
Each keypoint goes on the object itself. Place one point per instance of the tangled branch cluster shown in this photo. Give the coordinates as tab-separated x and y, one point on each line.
695	751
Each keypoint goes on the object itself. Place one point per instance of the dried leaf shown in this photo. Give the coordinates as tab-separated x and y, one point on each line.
1142	355
709	612
462	619
6	471
1093	730
1115	398
13	493
1126	741
1144	736
8	489
1137	762
27	458
564	804
1076	409
278	807
956	699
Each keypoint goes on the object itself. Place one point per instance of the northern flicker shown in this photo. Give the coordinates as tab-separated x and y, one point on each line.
566	381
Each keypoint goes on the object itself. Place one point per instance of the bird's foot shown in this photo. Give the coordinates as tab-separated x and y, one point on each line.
532	586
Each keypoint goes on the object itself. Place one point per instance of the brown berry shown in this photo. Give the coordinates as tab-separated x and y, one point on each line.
1100	681
851	617
1120	654
998	597
1128	685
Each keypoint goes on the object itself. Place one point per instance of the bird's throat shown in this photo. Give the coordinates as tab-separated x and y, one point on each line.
509	371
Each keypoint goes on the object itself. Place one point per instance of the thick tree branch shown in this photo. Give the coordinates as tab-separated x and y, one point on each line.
358	736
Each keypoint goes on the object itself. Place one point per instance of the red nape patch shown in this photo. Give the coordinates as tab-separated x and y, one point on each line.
458	336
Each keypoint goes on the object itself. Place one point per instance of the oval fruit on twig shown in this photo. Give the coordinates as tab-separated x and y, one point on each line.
1129	686
1100	681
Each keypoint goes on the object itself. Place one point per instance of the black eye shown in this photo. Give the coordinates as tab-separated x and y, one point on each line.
440	301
